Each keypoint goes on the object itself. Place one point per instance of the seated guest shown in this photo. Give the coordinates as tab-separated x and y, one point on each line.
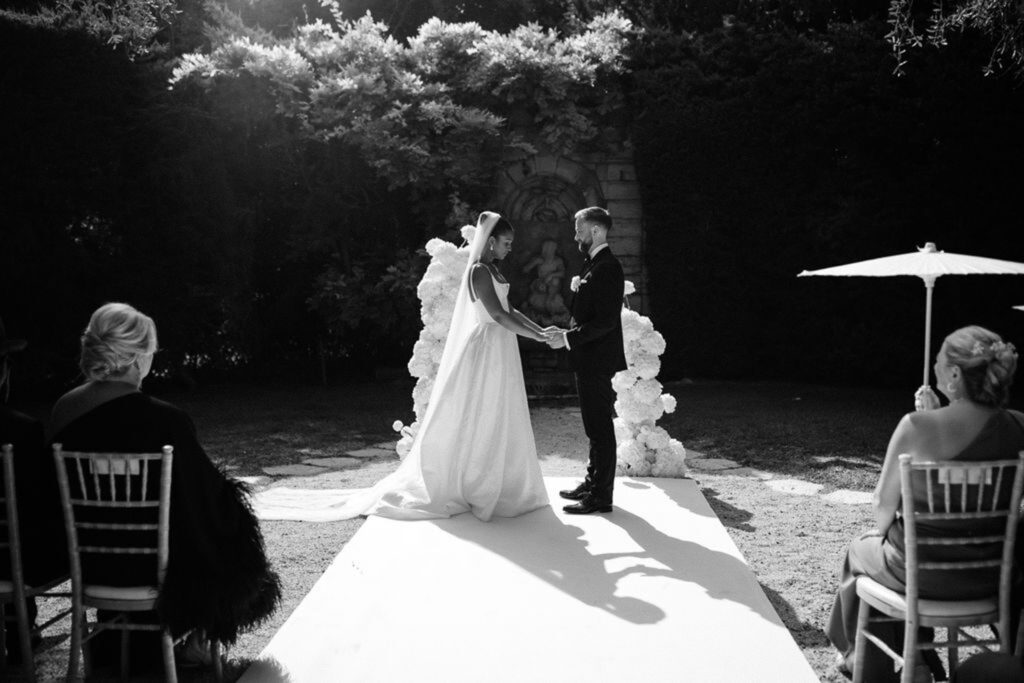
974	370
40	520
41	525
218	580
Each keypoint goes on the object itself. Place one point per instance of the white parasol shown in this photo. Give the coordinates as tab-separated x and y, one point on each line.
927	263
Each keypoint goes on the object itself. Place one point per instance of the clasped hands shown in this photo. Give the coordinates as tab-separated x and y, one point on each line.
553	336
925	399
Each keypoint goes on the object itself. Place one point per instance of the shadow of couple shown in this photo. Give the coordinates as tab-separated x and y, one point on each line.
591	567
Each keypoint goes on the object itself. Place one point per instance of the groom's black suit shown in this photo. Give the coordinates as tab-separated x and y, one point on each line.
595	354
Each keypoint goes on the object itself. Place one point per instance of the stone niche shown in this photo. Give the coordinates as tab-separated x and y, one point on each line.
540	195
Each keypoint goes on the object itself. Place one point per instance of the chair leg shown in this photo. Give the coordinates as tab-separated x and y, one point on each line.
3	637
954	651
167	643
909	652
218	665
25	640
126	645
1018	648
861	643
77	623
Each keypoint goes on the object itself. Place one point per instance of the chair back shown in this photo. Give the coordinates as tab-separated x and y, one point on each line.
987	493
10	539
115	504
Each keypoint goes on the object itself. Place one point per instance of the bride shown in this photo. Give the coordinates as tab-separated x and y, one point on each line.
474	450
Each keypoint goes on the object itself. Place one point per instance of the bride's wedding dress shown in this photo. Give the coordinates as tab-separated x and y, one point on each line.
474	450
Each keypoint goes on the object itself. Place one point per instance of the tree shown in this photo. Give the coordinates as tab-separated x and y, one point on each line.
1001	22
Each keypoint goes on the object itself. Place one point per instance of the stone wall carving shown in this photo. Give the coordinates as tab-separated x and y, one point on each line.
540	195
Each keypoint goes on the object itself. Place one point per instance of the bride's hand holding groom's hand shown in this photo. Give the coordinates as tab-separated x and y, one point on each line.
541	337
555	337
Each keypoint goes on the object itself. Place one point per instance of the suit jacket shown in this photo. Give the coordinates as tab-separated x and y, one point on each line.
44	553
595	341
218	577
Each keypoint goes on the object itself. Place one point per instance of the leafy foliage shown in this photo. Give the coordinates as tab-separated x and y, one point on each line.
1001	22
130	25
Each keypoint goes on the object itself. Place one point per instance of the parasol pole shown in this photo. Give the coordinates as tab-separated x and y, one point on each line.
929	284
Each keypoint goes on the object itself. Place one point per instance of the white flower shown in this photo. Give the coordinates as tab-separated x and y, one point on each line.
622	430
437	245
468	232
647	391
622	381
404	445
669	402
574	284
656	439
630	459
628	288
397	425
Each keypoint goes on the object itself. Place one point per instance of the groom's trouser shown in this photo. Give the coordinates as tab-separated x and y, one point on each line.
597	406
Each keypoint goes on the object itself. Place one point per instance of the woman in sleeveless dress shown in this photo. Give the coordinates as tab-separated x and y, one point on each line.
474	451
974	369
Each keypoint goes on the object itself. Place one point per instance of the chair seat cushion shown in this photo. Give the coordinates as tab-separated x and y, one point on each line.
121	592
872	591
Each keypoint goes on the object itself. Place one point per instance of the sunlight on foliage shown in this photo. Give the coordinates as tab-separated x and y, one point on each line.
417	112
1000	21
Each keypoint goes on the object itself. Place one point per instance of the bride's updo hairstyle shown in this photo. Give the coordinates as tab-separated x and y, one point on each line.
502	227
116	338
987	364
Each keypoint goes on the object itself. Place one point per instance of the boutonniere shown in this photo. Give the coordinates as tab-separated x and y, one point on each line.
574	285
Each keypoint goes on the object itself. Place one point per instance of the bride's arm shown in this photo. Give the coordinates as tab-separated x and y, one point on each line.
484	288
526	321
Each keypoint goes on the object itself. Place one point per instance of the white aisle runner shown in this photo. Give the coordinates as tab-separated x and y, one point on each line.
654	591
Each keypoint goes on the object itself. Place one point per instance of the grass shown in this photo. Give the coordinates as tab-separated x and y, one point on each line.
794	544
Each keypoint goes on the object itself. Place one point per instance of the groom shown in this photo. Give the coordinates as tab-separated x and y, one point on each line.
595	354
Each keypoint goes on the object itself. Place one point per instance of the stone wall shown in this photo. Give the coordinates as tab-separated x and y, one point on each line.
540	195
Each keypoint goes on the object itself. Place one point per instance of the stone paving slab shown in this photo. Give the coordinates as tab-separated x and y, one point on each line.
712	464
372	453
339	462
748	472
848	497
794	486
292	470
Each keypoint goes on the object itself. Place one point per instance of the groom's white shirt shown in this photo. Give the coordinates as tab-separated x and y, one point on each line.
591	254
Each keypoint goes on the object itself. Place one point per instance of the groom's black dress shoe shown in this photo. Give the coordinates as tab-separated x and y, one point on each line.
578	493
587	506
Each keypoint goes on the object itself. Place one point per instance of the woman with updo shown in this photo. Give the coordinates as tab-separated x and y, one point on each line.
974	370
219	581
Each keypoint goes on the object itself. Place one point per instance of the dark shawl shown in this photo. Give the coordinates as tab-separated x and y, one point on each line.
44	551
218	576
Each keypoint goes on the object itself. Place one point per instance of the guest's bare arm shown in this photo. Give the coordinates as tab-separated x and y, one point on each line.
886	500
